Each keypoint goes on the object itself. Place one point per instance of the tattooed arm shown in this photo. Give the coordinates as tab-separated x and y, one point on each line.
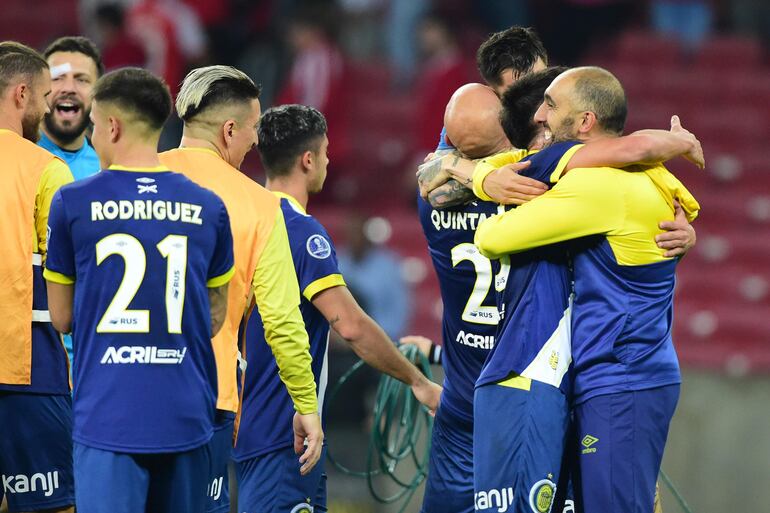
218	308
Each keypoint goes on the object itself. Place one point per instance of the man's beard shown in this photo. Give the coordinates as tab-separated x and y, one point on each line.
566	131
68	134
30	127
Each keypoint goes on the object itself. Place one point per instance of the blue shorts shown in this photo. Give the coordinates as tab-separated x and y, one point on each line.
36	451
519	438
111	482
271	483
621	441
221	448
449	485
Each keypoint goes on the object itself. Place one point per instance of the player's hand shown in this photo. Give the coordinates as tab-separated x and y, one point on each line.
505	185
308	428
428	393
695	155
430	176
423	343
679	236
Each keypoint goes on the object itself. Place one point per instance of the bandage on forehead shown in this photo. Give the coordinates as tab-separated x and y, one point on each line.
61	69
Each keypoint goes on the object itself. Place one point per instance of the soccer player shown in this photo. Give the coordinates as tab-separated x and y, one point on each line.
293	145
626	382
35	404
220	109
75	65
138	264
520	103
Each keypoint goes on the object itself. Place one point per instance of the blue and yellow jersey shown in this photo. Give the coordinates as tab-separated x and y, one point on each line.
264	274
82	163
466	280
142	247
33	358
623	306
266	414
533	340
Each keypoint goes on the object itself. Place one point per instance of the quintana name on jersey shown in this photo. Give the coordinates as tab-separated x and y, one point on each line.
456	220
146	210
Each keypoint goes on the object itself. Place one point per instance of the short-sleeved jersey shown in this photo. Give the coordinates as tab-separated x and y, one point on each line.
82	163
141	247
623	308
263	274
267	412
466	280
33	359
534	288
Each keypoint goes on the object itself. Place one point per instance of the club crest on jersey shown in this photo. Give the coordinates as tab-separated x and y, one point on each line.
318	247
143	185
302	508
541	496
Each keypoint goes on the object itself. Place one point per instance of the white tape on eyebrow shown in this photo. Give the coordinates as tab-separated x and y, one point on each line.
60	70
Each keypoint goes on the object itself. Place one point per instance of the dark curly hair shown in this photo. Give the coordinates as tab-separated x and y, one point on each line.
285	133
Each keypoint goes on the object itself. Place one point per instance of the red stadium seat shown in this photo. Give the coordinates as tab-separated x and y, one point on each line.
729	53
648	49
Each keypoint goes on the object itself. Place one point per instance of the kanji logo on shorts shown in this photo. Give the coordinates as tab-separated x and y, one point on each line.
20	483
501	499
588	441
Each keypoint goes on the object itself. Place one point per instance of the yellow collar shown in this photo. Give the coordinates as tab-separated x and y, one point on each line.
291	199
156	169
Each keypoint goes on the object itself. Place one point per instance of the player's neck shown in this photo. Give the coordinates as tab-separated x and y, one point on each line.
197	142
136	154
10	123
293	185
73	145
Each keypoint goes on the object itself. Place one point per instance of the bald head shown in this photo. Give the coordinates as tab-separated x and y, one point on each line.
596	90
472	121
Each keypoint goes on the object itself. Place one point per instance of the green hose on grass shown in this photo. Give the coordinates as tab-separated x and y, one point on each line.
400	436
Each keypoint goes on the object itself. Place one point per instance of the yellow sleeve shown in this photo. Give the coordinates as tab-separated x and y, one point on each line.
321	284
489	164
276	293
55	174
582	203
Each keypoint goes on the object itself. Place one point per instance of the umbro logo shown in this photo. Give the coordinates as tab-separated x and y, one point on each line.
143	185
588	442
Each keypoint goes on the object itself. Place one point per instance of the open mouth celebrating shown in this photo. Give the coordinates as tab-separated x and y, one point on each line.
68	110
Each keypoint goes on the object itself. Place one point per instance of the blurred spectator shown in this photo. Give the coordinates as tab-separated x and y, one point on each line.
119	48
442	71
317	75
500	14
751	17
689	21
172	37
401	25
373	275
570	27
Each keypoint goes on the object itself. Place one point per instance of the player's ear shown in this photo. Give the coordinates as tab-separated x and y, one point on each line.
587	122
307	161
116	129
228	131
21	94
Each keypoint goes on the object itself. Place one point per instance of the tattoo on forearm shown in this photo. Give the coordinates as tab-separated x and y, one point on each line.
334	321
451	194
427	172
